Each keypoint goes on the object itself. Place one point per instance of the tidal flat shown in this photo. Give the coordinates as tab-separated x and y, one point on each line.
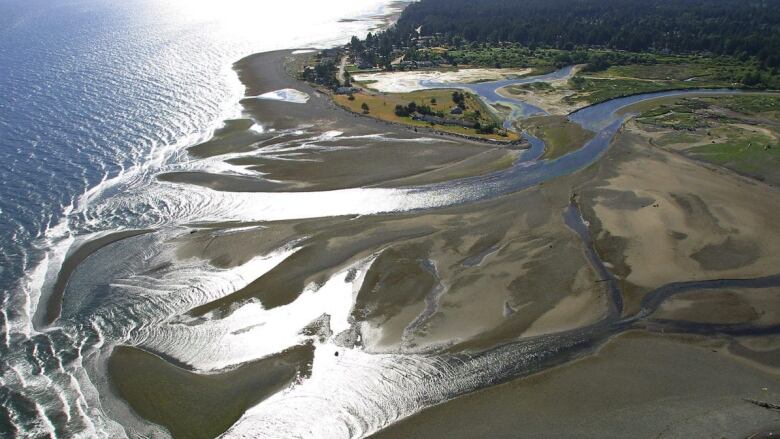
496	300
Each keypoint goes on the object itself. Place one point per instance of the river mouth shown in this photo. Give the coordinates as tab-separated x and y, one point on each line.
402	288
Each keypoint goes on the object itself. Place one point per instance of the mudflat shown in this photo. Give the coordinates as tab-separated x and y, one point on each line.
198	405
562	288
638	385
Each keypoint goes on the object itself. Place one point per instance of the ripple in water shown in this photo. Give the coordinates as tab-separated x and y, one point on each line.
97	97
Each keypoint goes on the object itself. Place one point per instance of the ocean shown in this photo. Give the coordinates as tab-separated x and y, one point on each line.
96	98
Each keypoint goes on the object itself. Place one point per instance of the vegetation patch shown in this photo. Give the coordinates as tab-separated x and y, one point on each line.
445	110
739	132
750	155
559	134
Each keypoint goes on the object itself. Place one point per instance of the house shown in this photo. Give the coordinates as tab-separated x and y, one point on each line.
456	110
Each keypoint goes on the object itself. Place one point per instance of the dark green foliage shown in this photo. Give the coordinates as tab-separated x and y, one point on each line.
731	27
459	99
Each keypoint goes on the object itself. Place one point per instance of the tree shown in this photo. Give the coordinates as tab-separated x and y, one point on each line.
727	27
364	107
752	78
459	99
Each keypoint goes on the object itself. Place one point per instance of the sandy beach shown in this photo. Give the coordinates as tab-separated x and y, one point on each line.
473	281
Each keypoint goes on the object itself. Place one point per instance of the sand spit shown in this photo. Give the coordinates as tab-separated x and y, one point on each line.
317	146
196	405
550	98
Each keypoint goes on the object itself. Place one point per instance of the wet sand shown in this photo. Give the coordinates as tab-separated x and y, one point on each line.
724	307
72	260
195	405
483	253
235	136
474	279
659	217
318	146
642	386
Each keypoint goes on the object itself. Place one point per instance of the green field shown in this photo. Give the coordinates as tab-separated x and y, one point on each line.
741	133
749	155
382	106
664	73
560	136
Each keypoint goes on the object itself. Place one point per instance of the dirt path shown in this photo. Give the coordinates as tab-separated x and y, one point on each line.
342	69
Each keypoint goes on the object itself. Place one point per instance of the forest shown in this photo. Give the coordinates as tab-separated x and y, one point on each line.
746	30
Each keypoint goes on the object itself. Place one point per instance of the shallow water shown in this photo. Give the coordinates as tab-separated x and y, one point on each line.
488	91
86	127
96	98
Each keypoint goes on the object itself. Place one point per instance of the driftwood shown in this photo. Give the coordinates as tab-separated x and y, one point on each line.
764	404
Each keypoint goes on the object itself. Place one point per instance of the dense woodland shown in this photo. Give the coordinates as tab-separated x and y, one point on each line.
744	29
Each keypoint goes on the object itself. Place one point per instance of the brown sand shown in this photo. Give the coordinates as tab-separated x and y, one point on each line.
303	161
638	386
193	405
659	218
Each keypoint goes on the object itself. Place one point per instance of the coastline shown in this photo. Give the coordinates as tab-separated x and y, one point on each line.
356	142
413	153
265	72
259	76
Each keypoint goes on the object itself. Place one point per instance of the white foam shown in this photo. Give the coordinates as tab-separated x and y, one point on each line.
286	94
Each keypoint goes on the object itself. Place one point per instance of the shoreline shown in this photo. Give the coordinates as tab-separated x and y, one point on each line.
255	86
54	301
318	112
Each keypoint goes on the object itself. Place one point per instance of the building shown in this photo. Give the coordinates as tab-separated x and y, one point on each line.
456	110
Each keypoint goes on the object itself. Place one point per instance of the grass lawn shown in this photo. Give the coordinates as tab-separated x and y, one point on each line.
382	106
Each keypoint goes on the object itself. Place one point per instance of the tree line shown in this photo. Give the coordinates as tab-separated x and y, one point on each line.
740	28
